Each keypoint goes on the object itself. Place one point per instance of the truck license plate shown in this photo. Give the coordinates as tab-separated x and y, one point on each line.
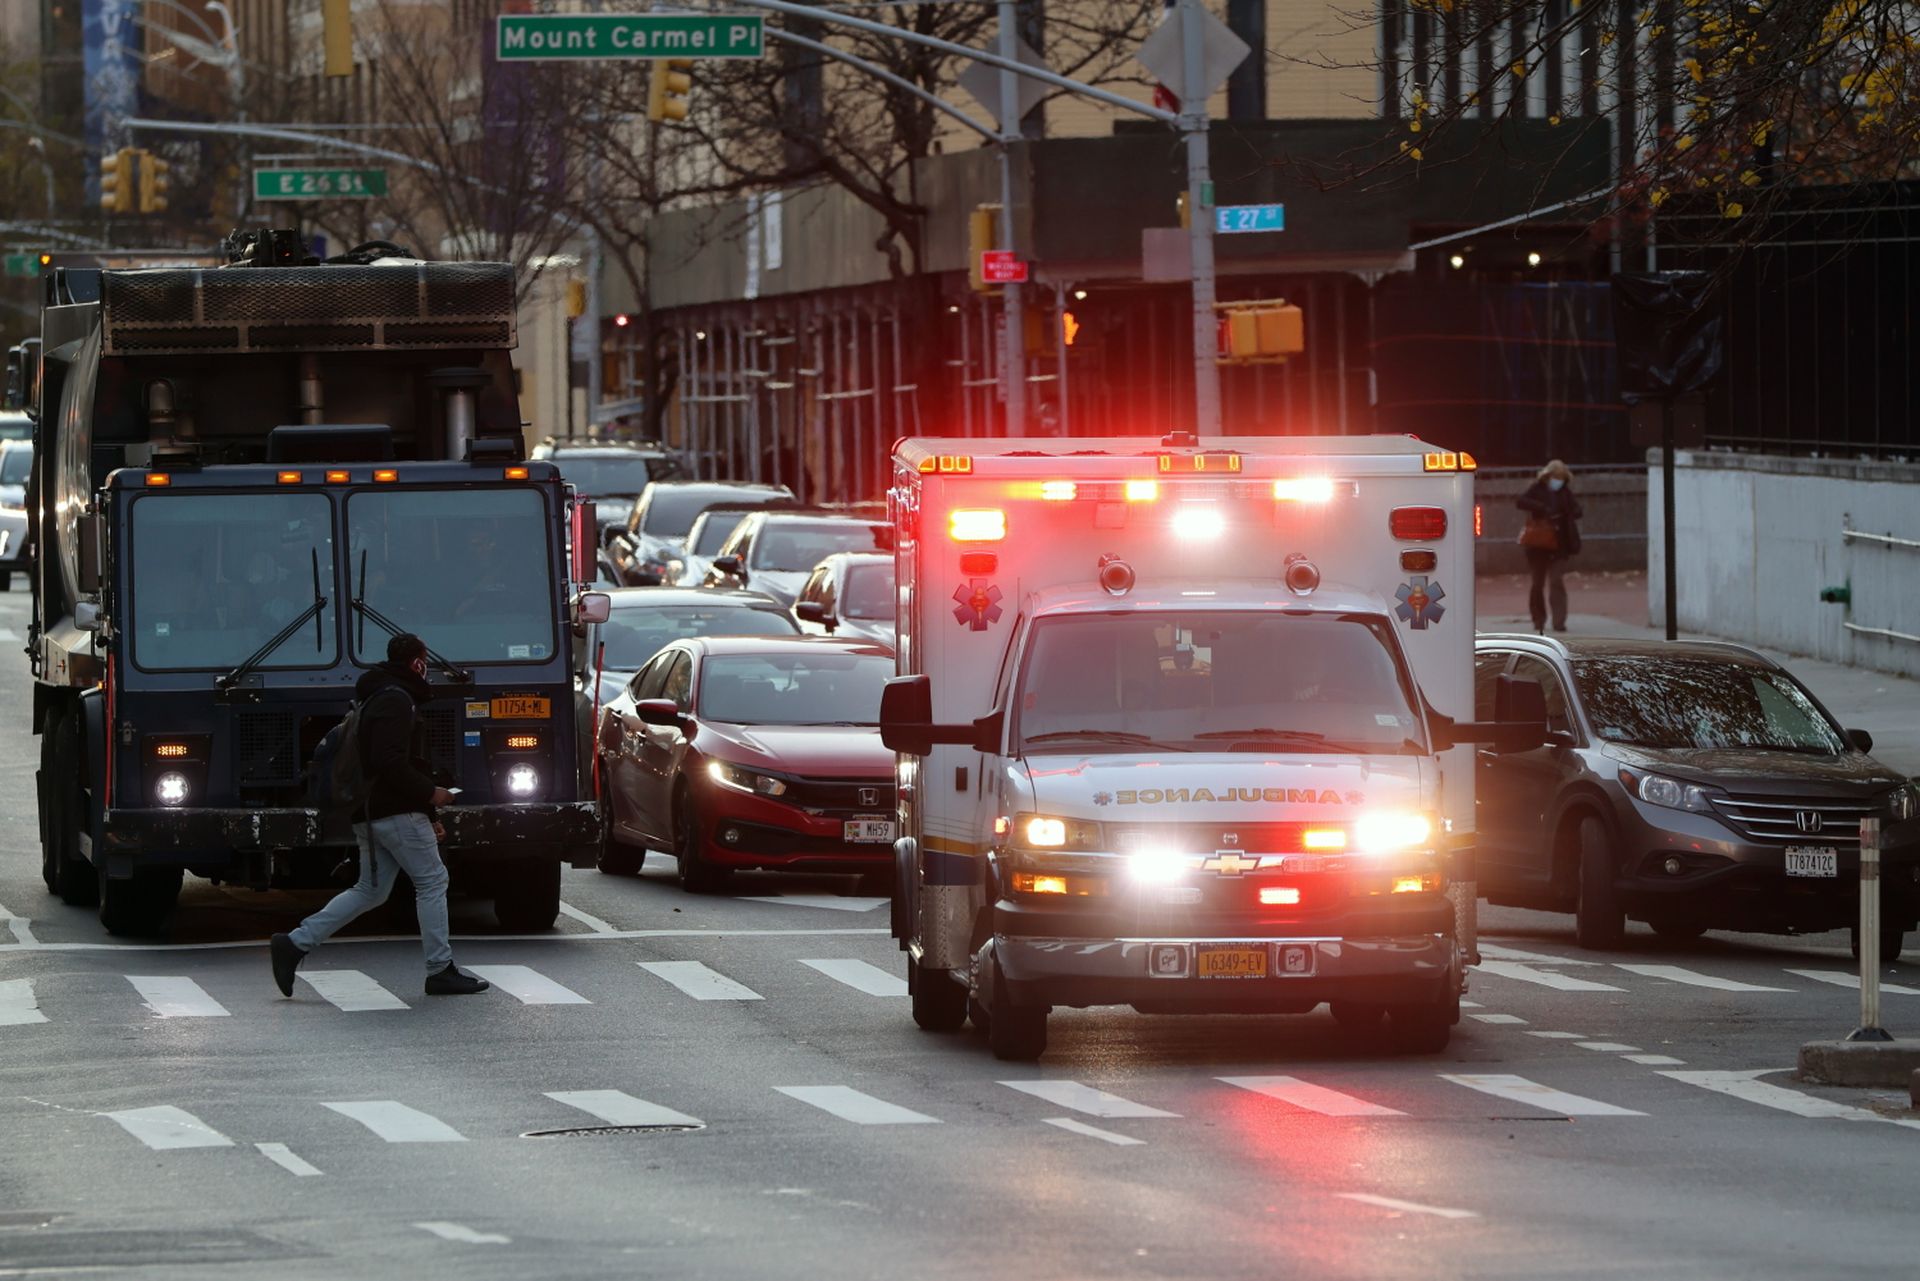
869	831
520	708
1813	860
1230	962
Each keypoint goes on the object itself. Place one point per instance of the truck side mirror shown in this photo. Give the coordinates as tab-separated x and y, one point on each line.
728	564
595	607
812	611
90	560
585	541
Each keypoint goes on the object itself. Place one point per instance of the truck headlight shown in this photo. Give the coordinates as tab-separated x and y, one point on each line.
1045	832
1668	793
745	780
522	780
171	789
1390	832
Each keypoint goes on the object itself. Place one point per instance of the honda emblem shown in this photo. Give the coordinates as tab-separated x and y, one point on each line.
869	796
1808	821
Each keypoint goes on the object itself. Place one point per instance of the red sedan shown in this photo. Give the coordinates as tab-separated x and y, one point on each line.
751	751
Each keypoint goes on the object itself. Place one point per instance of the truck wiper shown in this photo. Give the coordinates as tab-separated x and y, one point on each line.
1103	736
358	604
259	656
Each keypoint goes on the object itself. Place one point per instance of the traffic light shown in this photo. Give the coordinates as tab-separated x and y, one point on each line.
983	236
336	26
116	181
153	183
669	89
1180	206
1261	333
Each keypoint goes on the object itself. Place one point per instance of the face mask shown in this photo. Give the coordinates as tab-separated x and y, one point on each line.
1555	483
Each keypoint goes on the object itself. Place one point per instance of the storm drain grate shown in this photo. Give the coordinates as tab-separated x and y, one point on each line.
594	1131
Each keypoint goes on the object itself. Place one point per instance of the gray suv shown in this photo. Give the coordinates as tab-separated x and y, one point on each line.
1690	785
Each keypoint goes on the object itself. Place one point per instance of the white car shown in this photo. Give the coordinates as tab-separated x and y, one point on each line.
16	462
850	595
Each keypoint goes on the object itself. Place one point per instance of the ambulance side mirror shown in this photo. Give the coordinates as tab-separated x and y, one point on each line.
1519	723
906	719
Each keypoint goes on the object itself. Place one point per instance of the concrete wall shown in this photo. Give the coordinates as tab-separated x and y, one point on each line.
1760	536
1613	533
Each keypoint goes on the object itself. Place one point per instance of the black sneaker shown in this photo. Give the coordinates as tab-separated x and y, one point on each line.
286	959
452	981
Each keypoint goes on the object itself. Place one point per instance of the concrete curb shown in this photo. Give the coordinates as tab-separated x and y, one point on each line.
1888	1063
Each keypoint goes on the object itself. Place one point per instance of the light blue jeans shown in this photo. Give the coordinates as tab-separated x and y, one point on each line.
401	843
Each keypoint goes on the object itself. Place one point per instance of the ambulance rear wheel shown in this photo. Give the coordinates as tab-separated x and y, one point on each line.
939	1003
1425	1028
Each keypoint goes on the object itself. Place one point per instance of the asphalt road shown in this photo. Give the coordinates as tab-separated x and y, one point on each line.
164	1113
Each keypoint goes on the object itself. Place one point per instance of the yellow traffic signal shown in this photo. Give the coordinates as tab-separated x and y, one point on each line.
1180	206
669	89
983	235
336	27
153	183
576	299
116	181
1261	333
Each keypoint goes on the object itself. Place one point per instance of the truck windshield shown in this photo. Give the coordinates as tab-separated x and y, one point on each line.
216	576
467	570
1216	682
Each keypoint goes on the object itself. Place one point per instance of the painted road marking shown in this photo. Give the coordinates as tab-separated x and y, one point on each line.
528	985
699	982
1517	1089
398	1123
1654	1060
1498	953
1084	1098
1545	978
22	928
1693	978
463	1234
1314	1098
851	1105
163	1128
18	1005
351	990
618	1108
1502	1019
1072	1126
1561	1036
593	923
1608	1047
831	902
586	936
1407	1207
870	979
1841	978
176	998
282	1156
1742	1085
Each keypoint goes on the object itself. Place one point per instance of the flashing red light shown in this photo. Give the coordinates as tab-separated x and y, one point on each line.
1418	524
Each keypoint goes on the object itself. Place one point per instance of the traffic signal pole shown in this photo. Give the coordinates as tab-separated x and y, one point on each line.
1194	125
1013	337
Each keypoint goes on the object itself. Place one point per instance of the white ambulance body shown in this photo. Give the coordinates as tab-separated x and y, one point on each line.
1182	733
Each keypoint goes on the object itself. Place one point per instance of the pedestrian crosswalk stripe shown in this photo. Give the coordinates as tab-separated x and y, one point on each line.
1504	1019
1545	978
18	1005
1839	978
398	1123
351	990
176	998
281	1155
851	1105
1654	1060
699	982
831	902
463	1234
1406	1207
528	985
1072	1126
1518	1089
1314	1098
1608	1047
618	1108
861	976
166	1127
1561	1036
1494	952
1084	1098
1743	1085
1693	978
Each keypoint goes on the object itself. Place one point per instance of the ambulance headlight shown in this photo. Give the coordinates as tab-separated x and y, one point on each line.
1390	832
1156	866
1045	832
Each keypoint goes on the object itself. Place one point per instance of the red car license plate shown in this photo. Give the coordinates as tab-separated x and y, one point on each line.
868	831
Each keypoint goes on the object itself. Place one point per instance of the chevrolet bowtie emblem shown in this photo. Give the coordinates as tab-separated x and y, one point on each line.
1229	863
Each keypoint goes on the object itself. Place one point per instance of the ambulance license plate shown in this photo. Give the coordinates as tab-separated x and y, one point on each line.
1813	860
521	708
869	831
1220	962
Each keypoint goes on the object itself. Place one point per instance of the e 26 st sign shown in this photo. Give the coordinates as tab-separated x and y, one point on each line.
579	37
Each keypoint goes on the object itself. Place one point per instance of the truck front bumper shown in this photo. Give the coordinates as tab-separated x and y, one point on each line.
489	833
475	833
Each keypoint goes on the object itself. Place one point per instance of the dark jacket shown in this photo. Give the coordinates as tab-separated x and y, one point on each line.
1558	506
392	742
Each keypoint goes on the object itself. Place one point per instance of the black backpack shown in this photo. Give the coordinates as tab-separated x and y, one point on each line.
337	782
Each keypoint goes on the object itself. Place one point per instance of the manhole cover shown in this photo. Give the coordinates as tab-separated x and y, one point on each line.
594	1131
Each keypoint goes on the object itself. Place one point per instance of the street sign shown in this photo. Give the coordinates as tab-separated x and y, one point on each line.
1000	267
983	82
318	184
1220	52
581	37
1229	219
23	264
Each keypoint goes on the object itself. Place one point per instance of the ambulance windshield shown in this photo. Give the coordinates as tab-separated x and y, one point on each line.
1103	684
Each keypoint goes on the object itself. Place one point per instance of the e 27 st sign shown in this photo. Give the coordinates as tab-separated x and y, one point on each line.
549	37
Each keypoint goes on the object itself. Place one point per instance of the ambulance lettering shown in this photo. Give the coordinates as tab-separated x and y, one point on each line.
1271	795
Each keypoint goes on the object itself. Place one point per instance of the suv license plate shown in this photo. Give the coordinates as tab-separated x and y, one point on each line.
1230	962
1813	860
868	831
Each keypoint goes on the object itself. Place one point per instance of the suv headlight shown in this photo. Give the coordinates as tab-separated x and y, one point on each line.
1045	832
1669	793
1903	803
745	780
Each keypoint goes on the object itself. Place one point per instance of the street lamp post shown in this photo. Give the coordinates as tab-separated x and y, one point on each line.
1013	346
1194	125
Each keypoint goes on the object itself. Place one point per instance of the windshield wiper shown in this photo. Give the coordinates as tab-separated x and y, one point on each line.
259	656
1103	736
458	675
1262	736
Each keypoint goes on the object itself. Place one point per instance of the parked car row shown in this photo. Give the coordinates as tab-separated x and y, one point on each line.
16	463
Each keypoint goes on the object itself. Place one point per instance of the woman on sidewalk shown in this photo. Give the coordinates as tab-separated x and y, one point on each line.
1551	535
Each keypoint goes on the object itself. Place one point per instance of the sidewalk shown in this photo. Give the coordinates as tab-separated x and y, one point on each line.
1615	604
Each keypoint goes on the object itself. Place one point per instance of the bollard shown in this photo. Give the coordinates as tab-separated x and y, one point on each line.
1870	1029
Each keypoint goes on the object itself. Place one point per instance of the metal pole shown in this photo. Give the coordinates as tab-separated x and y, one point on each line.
1013	372
1870	1029
1666	516
1193	125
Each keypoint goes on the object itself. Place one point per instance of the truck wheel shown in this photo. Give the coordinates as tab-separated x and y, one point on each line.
6	580
1892	942
697	876
1599	922
140	905
939	1003
1357	1014
74	879
1018	1033
528	898
1425	1028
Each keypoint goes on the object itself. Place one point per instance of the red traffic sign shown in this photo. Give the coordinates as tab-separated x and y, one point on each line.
1000	267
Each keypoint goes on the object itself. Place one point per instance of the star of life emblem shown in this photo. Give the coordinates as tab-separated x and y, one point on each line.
977	604
1419	602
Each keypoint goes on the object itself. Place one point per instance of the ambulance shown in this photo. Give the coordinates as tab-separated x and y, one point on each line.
1185	726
